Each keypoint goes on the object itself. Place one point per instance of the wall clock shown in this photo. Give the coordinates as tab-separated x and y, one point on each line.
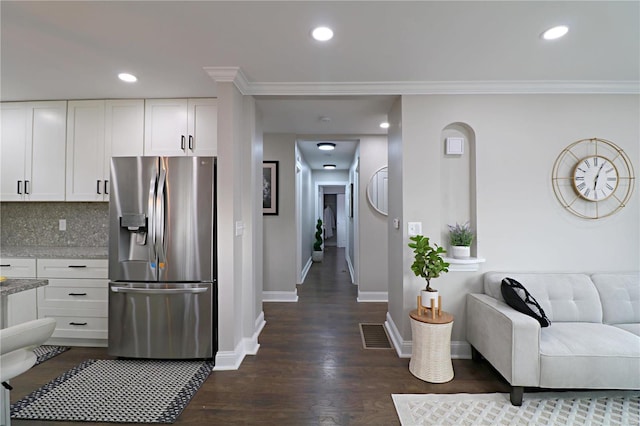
593	178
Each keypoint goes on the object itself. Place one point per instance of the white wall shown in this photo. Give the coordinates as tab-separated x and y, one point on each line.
520	224
279	230
373	278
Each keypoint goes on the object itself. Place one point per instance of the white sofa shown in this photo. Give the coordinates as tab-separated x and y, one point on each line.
593	341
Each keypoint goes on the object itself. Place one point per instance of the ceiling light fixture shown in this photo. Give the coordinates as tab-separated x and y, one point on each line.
326	146
384	125
322	34
555	32
329	166
129	78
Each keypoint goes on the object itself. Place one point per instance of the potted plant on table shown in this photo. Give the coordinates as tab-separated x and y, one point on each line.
317	255
428	263
460	238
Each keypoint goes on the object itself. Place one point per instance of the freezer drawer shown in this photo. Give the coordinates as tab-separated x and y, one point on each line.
162	320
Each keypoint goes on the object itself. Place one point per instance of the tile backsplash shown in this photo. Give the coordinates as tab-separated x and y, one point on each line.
36	224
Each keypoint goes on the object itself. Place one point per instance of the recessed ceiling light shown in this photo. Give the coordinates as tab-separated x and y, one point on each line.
327	146
555	32
322	33
129	78
329	166
384	125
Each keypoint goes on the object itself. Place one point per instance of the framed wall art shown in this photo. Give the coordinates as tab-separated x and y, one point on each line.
269	187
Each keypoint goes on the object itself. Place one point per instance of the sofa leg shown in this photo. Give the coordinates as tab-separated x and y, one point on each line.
475	355
517	392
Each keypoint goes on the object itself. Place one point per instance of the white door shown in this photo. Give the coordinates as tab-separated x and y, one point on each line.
165	127
16	138
203	127
341	221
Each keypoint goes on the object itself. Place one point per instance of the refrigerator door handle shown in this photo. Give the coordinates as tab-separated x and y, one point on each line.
160	216
152	222
159	290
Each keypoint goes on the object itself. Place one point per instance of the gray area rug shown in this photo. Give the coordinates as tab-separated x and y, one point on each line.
45	352
549	408
116	391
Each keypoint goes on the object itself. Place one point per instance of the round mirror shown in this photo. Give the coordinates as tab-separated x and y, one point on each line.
377	190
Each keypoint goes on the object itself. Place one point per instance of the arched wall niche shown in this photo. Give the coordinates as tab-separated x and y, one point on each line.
458	177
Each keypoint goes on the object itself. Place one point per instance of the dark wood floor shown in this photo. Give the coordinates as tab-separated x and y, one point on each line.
311	368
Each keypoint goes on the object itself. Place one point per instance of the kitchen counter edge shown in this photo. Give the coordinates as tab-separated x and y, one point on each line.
55	252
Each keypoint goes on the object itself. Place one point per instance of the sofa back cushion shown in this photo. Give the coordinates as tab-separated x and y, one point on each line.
620	295
564	297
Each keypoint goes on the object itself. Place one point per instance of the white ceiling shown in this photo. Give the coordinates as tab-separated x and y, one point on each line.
73	50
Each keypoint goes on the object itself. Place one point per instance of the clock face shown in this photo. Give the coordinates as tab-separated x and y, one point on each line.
595	178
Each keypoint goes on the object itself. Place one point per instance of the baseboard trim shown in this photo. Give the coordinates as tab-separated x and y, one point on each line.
231	360
280	296
351	270
460	349
305	270
373	296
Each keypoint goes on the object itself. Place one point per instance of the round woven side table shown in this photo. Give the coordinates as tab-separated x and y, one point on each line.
431	348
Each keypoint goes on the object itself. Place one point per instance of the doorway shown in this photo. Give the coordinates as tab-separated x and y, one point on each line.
331	203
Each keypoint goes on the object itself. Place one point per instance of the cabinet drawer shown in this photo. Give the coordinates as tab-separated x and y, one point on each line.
14	267
75	325
75	296
72	268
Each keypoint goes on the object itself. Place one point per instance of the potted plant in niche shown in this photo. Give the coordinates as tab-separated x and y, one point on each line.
460	238
316	256
428	263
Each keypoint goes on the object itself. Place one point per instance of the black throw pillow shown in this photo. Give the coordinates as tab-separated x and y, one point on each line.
521	300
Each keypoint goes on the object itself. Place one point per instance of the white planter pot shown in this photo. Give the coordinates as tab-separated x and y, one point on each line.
426	297
317	256
461	252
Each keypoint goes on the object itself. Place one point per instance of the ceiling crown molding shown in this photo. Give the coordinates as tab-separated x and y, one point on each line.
235	75
230	75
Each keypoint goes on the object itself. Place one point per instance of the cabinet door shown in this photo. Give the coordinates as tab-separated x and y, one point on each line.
123	132
165	129
47	177
85	151
203	127
22	307
13	150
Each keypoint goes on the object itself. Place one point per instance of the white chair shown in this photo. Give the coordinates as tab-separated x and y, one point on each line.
16	354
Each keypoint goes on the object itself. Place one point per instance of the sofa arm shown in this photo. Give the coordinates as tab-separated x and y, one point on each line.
508	339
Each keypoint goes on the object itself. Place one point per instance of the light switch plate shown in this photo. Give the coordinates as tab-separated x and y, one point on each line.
62	225
239	228
396	223
414	228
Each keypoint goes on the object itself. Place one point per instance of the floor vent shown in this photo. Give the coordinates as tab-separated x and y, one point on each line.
374	336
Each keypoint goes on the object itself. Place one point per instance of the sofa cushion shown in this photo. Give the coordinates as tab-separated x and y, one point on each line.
620	296
569	352
521	300
563	297
631	328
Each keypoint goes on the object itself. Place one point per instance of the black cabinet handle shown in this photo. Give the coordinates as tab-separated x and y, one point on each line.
191	142
77	266
77	323
20	187
8	265
98	186
77	294
26	187
106	187
182	142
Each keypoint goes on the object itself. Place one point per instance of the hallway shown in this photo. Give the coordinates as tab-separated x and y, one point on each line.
311	368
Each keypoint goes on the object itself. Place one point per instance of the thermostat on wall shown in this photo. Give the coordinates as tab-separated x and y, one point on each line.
455	146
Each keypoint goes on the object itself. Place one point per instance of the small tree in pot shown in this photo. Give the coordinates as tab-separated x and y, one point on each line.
316	256
428	263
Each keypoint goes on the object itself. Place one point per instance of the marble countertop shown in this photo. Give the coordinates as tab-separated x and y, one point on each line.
55	252
16	285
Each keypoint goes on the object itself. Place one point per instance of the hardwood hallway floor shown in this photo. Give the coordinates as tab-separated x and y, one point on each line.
311	368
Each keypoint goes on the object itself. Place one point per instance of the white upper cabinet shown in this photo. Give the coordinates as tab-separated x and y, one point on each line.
176	127
32	147
96	131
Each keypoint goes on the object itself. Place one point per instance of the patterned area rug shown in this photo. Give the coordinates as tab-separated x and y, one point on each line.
117	391
557	408
46	352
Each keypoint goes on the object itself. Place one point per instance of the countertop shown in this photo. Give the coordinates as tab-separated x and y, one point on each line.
55	252
16	285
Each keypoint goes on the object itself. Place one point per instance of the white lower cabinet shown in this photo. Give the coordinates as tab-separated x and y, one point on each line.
21	307
77	297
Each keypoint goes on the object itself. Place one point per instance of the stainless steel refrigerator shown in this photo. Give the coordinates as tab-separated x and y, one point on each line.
162	258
